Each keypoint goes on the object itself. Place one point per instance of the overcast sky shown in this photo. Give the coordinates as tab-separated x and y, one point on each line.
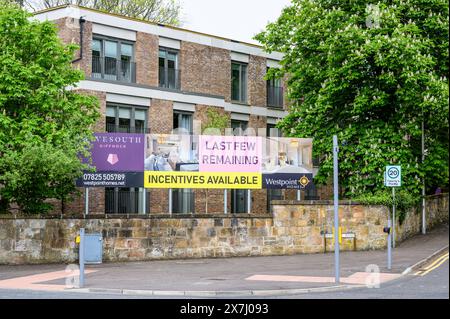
235	19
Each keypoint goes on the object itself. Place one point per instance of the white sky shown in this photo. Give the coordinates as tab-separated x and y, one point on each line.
236	19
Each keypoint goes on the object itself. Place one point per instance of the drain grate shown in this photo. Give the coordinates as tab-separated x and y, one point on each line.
216	279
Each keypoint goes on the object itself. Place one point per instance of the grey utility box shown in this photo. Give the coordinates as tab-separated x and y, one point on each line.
93	251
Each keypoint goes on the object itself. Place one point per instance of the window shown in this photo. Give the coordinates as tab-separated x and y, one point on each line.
124	200
183	199
274	93
183	120
273	131
112	60
239	127
239	197
169	76
239	82
125	118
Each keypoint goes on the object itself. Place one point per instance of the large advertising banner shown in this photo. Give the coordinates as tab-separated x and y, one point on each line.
191	161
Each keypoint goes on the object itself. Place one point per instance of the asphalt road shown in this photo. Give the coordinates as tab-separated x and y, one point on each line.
433	285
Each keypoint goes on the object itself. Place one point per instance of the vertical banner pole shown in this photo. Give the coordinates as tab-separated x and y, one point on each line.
144	200
86	201
249	201
225	204
336	207
81	257
170	201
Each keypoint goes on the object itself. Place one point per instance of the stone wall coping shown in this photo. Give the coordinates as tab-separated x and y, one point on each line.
134	216
341	202
316	202
443	195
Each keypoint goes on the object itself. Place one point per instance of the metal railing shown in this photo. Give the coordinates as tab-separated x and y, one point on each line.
274	96
113	69
169	78
111	128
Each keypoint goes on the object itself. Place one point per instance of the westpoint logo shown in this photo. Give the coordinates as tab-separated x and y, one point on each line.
286	181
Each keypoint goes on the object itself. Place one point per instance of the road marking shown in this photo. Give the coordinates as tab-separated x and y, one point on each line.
443	260
421	271
358	278
33	281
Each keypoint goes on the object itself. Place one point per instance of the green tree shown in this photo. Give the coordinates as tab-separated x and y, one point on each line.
370	74
44	126
160	11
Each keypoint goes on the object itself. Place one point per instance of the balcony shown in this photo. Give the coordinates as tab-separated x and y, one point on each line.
113	69
275	96
169	78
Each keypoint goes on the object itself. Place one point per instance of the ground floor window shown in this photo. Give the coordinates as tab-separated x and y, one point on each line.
239	201
183	201
124	200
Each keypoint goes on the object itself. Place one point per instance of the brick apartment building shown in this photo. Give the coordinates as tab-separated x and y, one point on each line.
153	78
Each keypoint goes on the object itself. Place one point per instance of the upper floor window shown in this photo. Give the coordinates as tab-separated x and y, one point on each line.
113	60
273	131
274	93
125	119
169	75
239	127
239	82
183	121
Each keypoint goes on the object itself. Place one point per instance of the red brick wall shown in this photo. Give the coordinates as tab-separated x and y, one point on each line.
205	69
161	117
69	32
257	87
146	58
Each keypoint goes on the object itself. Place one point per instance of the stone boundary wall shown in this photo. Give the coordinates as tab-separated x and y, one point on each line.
295	227
436	212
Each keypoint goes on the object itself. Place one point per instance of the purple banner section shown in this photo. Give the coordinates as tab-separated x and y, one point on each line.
118	152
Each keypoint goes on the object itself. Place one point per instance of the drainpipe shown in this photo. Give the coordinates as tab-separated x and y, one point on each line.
82	21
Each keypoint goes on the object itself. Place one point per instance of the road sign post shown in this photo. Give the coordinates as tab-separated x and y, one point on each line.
392	178
336	207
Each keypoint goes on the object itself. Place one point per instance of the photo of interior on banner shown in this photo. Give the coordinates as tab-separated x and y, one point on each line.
287	155
170	152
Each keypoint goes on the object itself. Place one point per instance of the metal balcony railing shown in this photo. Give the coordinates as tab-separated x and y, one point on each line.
275	96
169	78
111	128
113	69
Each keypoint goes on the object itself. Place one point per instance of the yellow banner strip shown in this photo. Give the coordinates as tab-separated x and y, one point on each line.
161	179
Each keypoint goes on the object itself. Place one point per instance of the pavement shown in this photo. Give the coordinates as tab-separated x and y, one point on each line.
235	277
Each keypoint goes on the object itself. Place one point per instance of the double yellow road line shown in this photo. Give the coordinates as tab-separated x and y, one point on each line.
435	264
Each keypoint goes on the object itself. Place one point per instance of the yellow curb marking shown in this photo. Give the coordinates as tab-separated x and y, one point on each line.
432	266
